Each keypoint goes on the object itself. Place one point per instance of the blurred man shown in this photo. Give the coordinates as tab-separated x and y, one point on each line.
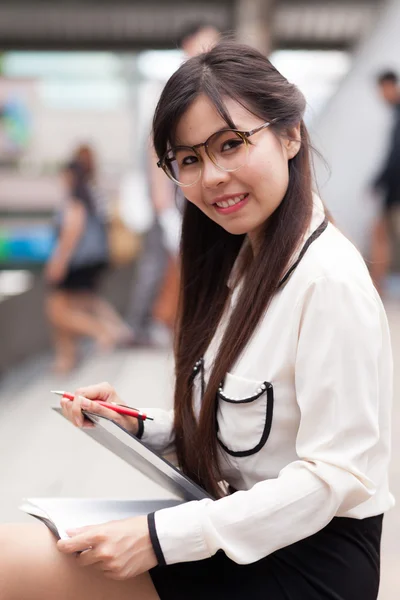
387	184
156	286
197	38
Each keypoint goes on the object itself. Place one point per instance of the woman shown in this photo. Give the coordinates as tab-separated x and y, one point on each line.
74	270
283	374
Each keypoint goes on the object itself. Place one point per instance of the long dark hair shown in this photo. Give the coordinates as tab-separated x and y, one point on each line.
81	173
208	252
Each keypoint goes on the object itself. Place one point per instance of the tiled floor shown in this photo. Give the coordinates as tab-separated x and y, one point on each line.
43	455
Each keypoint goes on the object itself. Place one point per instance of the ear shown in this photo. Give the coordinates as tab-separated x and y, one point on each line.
292	141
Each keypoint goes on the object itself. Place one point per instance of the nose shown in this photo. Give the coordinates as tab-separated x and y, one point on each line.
212	176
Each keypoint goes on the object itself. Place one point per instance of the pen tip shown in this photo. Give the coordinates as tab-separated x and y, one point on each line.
57	392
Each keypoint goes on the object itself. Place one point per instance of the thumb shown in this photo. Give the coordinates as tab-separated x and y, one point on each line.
77	530
99	391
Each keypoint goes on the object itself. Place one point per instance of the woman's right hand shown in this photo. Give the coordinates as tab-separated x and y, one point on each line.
84	400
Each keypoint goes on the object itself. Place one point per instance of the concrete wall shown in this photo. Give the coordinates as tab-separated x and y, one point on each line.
352	132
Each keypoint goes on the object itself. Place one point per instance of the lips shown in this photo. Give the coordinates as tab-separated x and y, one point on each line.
231	204
226	203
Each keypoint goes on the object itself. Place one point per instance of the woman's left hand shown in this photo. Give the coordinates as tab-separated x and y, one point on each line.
121	549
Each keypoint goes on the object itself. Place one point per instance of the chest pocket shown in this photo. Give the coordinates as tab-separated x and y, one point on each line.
244	415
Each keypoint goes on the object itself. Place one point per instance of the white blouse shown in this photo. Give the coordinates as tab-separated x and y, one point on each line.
312	440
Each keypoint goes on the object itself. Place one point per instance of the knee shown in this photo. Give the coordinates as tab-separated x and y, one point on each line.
56	307
26	555
22	543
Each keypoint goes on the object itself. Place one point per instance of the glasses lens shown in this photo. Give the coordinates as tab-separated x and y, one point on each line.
228	149
183	165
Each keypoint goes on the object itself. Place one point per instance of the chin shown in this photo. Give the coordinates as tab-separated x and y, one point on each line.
238	229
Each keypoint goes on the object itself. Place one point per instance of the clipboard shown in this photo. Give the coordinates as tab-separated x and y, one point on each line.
137	454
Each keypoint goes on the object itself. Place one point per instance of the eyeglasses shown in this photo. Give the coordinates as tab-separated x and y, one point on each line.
228	150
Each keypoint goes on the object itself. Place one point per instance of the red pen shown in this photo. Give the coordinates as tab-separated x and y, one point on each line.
119	408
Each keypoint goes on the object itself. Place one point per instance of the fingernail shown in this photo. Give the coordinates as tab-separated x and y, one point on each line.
85	403
78	422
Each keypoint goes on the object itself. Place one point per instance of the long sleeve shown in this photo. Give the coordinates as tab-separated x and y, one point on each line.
158	434
342	344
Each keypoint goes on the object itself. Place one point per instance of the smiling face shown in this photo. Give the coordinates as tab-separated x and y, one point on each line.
243	200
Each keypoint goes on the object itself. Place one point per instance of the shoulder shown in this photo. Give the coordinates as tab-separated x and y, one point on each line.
333	280
333	258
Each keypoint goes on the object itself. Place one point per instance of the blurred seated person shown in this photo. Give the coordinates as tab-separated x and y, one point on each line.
78	261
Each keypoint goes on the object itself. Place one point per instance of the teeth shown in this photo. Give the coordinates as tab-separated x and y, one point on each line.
231	201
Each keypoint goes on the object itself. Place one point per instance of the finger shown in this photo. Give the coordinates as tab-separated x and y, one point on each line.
89	557
97	409
66	407
100	391
76	411
78	543
78	530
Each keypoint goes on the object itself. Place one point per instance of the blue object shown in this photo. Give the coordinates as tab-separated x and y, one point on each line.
32	244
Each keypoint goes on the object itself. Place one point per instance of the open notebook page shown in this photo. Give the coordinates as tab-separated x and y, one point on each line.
61	514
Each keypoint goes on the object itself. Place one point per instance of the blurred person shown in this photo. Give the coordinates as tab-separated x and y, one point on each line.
282	391
79	259
152	262
198	37
387	185
154	297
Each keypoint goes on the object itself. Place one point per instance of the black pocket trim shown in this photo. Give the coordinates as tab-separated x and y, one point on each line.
269	390
263	387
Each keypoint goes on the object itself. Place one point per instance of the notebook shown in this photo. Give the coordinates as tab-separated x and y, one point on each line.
61	514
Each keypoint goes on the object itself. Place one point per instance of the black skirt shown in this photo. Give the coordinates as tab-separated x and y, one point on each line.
82	279
340	562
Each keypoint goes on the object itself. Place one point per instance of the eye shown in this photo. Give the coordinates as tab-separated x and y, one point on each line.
188	160
231	144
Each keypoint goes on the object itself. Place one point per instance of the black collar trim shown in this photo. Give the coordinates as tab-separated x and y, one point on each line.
306	246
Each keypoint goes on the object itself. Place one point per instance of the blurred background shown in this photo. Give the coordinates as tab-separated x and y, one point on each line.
88	75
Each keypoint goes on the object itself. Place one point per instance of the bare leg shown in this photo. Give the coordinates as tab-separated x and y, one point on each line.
31	568
380	253
66	350
64	313
65	343
104	311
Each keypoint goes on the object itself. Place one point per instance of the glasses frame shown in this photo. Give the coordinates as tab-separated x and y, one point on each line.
243	134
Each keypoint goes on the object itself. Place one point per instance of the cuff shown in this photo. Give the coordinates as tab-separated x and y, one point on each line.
155	541
158	434
177	533
140	431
